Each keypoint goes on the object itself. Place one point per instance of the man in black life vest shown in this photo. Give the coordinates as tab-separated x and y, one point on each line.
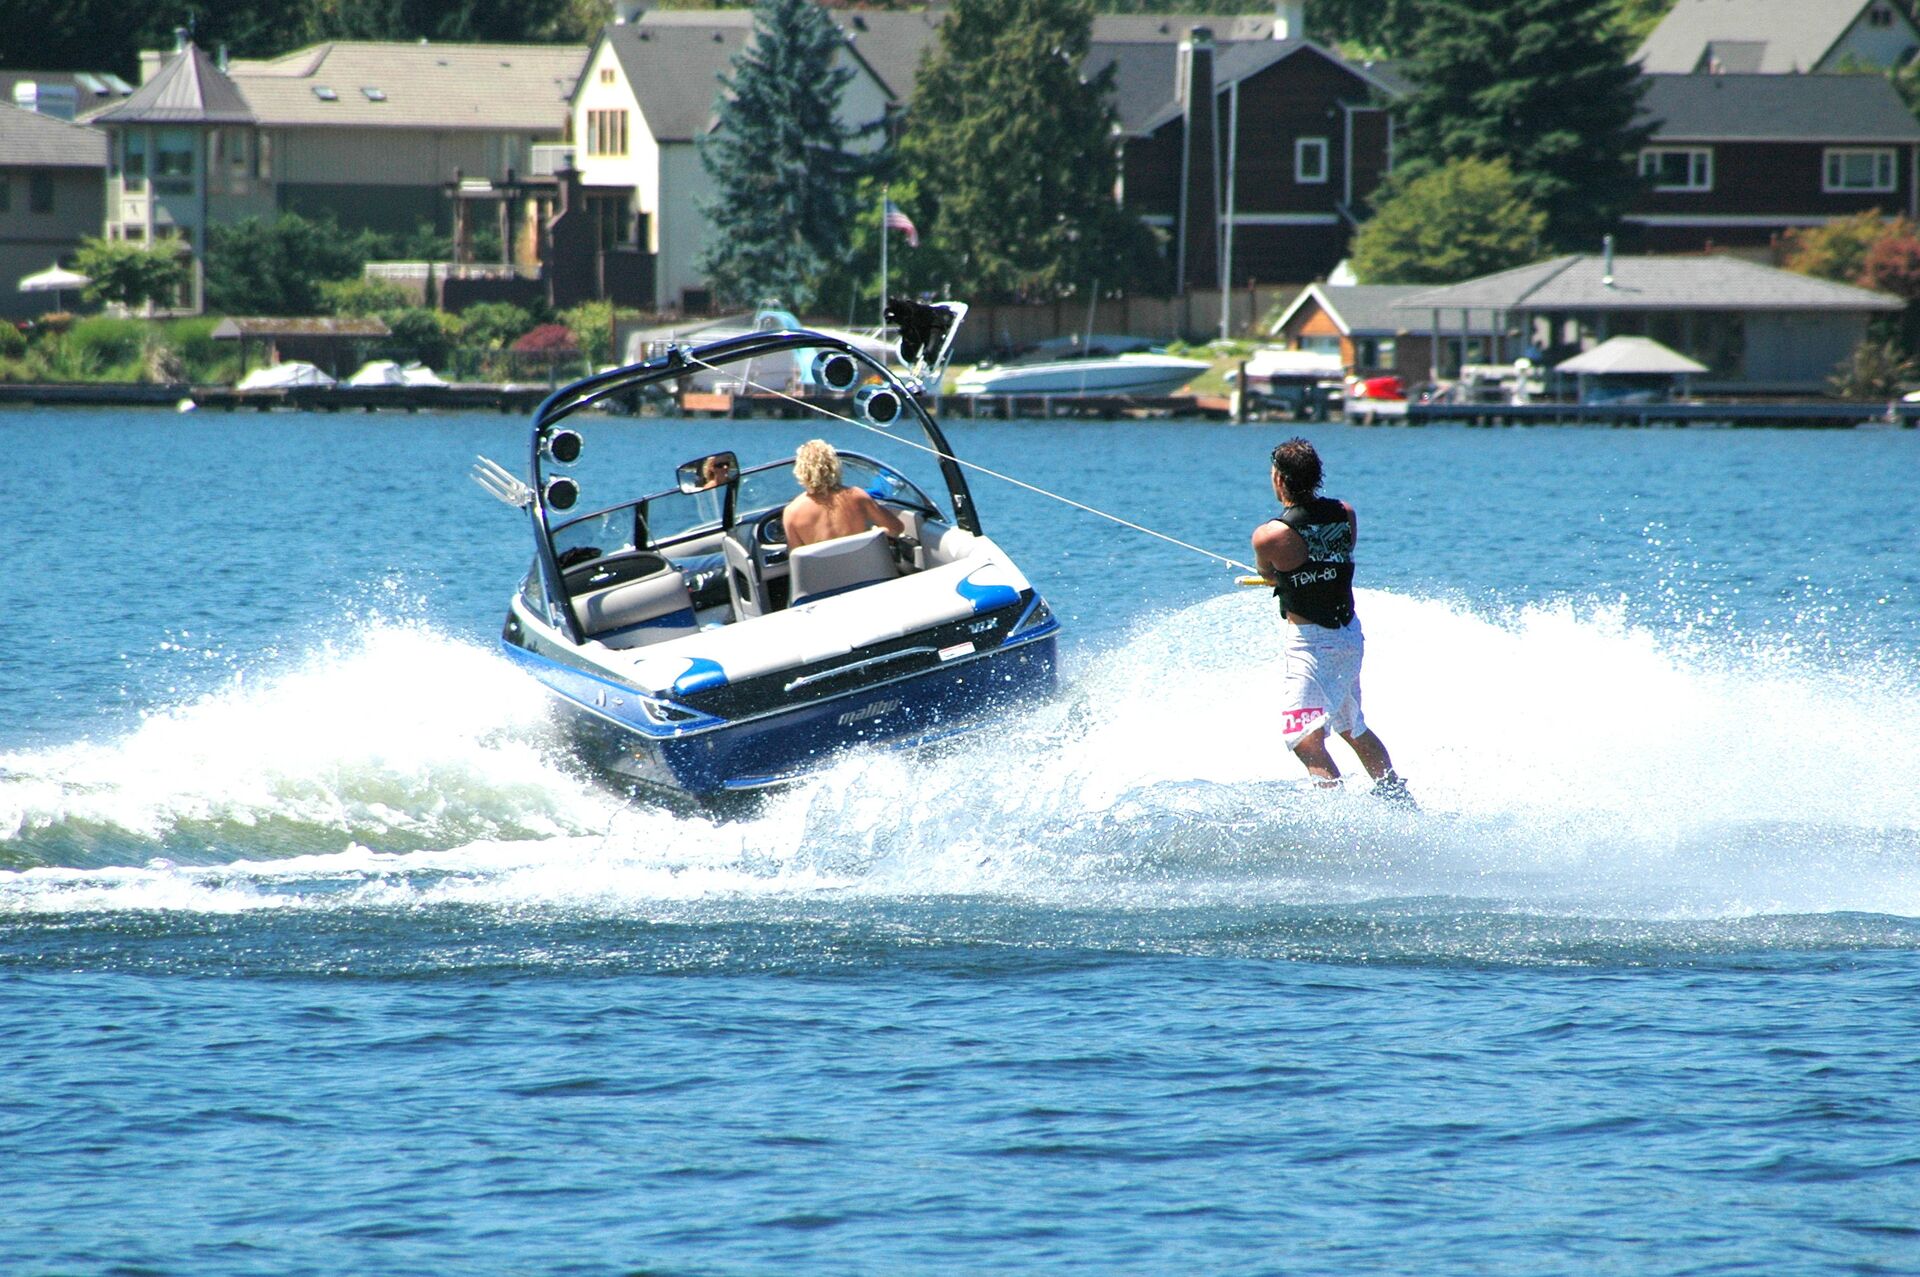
1308	554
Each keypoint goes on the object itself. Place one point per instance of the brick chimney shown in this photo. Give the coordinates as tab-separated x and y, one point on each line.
1198	261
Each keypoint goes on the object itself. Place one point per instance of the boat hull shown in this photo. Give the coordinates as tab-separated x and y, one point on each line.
610	733
1123	375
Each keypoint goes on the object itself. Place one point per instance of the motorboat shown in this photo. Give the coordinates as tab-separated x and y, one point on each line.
690	648
1144	373
290	375
386	372
1306	383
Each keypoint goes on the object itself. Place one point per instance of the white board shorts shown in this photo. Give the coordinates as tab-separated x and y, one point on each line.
1321	687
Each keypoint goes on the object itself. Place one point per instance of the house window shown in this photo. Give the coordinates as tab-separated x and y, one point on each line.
6	193
606	132
1859	169
173	162
1880	16
1678	168
40	193
1310	160
606	75
136	161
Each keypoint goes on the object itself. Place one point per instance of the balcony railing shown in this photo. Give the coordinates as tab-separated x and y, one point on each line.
547	159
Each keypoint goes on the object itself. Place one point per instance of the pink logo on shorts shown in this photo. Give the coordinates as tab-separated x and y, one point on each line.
1295	721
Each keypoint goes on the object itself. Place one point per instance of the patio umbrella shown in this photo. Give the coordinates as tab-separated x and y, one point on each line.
56	281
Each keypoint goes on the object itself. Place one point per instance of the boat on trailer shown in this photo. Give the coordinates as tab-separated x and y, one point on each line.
689	648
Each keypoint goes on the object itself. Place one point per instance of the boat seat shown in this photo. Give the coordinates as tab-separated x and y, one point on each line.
844	563
651	609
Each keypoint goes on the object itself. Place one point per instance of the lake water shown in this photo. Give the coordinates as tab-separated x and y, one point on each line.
315	957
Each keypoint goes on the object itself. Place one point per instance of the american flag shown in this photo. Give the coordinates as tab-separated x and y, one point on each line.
898	221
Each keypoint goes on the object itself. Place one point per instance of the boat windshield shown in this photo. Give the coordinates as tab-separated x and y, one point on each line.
668	518
771	486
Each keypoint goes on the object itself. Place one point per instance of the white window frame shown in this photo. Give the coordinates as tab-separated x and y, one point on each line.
1699	167
1304	146
1886	170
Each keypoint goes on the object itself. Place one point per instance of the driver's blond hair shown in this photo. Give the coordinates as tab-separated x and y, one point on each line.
817	467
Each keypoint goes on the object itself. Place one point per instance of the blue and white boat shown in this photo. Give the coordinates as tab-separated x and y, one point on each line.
690	649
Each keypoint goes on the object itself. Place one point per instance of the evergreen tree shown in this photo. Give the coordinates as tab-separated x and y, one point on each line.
1542	84
781	161
1013	158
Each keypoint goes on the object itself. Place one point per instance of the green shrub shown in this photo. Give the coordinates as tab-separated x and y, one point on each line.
361	296
102	343
13	343
418	334
592	326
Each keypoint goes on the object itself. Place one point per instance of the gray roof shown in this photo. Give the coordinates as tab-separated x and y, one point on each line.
498	87
1368	310
1777	108
187	89
91	89
30	140
1171	28
1794	34
1630	356
1578	282
890	43
675	71
1146	75
1143	46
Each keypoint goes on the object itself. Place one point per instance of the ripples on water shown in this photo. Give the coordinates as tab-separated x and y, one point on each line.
333	965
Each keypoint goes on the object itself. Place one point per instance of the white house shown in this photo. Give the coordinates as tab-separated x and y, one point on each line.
648	93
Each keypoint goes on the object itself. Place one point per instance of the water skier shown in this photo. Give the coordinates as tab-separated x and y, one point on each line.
1308	554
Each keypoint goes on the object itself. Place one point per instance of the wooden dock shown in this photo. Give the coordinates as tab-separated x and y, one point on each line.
1836	414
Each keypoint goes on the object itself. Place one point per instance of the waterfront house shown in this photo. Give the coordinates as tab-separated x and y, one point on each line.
1757	330
1776	37
1303	135
1737	159
52	183
373	134
648	93
1255	158
1373	337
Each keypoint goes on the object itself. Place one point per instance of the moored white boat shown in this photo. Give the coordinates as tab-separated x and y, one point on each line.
1143	374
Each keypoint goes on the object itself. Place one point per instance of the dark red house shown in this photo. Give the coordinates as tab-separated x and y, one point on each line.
1257	153
1736	159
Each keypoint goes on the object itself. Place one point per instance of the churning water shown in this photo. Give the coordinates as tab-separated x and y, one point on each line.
317	955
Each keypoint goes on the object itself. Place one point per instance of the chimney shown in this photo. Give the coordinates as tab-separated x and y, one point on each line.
1198	261
221	60
1606	268
179	39
1290	20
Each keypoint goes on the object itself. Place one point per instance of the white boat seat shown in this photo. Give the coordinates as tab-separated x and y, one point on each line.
829	567
651	609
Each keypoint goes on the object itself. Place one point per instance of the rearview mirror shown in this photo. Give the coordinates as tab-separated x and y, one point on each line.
703	473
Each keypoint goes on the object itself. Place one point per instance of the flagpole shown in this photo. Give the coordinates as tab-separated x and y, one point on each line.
883	257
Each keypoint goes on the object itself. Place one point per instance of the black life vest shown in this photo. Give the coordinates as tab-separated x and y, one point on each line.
1321	589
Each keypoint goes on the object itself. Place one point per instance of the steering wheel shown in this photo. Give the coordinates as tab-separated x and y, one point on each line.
771	531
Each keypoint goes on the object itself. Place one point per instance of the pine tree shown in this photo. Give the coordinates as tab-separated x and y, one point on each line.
1543	84
1013	158
781	161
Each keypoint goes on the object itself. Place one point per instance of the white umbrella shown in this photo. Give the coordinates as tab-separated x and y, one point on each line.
54	280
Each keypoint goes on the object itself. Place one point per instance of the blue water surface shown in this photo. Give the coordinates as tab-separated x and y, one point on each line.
318	956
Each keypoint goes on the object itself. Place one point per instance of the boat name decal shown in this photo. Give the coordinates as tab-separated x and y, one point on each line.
865	712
